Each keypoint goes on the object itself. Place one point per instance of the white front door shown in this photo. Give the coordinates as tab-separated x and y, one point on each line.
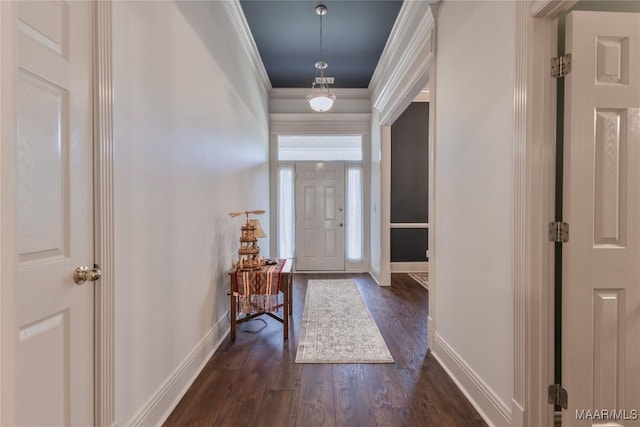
55	213
320	216
601	261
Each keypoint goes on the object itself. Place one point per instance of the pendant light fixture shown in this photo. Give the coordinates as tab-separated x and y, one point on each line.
321	99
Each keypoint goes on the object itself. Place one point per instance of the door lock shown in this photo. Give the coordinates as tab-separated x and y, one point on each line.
84	273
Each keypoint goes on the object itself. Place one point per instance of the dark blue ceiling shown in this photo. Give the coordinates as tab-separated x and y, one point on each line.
287	34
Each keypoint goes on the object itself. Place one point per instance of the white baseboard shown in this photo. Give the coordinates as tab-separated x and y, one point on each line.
375	273
431	325
166	398
517	414
485	400
355	270
410	267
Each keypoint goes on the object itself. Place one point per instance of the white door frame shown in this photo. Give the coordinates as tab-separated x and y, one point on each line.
8	220
321	124
104	218
103	208
534	198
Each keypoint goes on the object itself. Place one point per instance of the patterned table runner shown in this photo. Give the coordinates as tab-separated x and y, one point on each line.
257	290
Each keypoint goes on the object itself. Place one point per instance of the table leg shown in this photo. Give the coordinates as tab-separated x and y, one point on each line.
290	285
285	318
233	312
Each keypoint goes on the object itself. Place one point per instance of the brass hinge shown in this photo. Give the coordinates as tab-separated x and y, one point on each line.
558	232
558	396
561	66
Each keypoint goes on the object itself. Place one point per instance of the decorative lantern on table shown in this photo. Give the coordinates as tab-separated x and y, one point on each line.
249	251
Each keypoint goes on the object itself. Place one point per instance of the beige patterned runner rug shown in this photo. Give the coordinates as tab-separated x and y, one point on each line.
337	326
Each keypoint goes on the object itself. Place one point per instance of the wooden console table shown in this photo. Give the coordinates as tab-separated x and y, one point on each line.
256	293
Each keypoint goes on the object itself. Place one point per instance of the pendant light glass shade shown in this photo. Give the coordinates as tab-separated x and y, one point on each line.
320	99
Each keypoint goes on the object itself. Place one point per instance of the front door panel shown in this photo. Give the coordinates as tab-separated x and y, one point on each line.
320	216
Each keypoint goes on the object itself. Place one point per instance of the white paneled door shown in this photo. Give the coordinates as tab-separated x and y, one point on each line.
601	261
320	216
55	212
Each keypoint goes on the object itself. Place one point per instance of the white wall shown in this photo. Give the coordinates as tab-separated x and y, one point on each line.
474	185
191	145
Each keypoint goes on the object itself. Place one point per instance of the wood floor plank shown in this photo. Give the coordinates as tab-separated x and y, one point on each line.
251	387
278	408
439	381
385	386
285	373
255	380
392	417
352	402
205	398
234	354
315	405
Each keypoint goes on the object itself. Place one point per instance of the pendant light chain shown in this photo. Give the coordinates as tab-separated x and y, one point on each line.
321	36
321	64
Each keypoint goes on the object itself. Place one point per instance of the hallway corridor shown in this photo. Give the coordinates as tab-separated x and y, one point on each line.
255	381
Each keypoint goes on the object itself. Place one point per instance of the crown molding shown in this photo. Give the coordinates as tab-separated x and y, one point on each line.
406	58
239	22
409	17
550	8
301	93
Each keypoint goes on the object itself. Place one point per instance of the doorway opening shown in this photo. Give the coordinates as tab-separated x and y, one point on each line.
320	198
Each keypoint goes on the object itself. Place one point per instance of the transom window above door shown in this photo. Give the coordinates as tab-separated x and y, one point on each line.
320	147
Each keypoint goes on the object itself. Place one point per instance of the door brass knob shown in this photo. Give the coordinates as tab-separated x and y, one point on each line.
84	273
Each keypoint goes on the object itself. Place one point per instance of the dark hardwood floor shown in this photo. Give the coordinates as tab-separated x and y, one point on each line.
255	381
